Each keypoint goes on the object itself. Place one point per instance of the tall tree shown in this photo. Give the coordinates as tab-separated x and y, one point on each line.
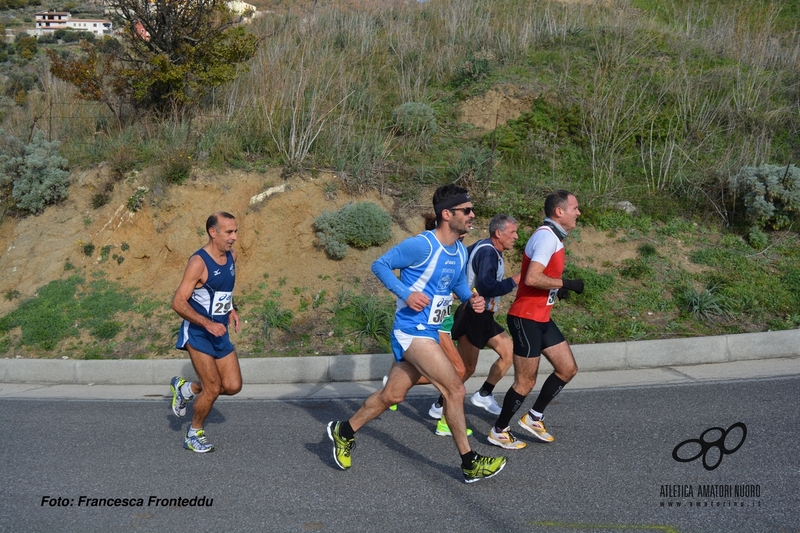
173	53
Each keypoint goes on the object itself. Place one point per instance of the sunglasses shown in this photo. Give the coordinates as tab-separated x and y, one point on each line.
467	210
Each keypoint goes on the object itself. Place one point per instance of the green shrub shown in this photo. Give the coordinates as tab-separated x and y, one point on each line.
771	194
647	250
373	318
707	304
271	316
26	45
757	238
177	167
100	199
106	330
476	66
636	269
473	171
35	172
414	118
136	201
12	294
360	225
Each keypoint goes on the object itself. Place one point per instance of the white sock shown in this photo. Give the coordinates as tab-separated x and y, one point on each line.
536	415
192	431
186	390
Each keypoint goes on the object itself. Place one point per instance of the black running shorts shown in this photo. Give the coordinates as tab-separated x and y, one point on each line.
531	337
478	327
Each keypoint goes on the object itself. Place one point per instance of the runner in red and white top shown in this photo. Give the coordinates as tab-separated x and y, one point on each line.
532	330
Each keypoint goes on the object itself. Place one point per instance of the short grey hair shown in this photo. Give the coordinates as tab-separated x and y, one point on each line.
499	222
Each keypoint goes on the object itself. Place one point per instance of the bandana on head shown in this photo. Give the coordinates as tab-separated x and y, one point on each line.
451	202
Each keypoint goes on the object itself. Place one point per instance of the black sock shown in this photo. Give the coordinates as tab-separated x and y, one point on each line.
511	404
552	386
440	401
467	458
486	389
346	430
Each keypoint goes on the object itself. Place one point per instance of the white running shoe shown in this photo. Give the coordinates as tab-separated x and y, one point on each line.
487	402
392	407
435	411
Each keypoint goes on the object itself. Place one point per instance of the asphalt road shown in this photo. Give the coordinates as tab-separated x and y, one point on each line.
610	468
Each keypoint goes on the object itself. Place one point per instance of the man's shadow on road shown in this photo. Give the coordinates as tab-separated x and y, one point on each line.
415	409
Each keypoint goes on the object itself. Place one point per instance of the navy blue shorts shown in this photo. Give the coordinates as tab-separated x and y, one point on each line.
203	341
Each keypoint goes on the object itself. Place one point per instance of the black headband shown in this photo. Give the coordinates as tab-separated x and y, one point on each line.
451	202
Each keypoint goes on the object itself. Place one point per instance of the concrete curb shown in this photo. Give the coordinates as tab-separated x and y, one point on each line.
345	368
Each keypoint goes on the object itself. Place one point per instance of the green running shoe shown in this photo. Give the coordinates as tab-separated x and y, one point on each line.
483	468
341	446
443	430
179	401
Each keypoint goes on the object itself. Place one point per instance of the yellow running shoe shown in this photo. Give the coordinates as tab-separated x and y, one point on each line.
341	446
535	428
443	430
483	468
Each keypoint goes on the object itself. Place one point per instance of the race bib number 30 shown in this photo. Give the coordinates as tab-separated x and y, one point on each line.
440	309
223	301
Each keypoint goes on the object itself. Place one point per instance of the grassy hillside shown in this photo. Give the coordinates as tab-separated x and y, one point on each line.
688	110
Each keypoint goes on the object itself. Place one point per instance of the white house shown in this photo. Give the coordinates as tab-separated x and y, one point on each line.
49	21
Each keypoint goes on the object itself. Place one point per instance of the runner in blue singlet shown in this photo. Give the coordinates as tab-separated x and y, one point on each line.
432	267
204	300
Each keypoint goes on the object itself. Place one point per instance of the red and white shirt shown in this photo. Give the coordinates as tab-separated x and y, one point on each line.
544	247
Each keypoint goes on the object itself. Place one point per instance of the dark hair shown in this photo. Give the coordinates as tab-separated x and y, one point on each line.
555	199
445	193
499	222
213	220
430	221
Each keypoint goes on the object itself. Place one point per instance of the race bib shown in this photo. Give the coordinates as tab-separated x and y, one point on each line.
551	298
440	309
222	304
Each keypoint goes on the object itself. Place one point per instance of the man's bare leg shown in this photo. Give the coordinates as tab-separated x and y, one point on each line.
504	346
402	377
216	376
563	361
469	354
428	358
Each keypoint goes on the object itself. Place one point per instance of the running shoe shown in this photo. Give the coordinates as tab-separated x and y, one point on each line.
443	430
198	442
435	411
392	407
341	446
535	428
483	468
179	401
505	439
487	402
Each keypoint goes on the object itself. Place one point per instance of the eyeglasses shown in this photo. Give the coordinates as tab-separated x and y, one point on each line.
467	210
